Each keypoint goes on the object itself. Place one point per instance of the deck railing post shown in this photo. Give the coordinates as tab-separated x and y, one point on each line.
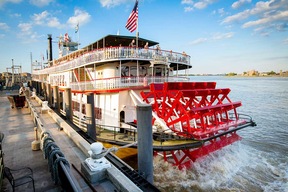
49	94
56	98
90	116
68	104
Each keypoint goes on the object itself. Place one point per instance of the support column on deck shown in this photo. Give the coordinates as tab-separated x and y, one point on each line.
42	93
90	116
68	104
56	100
38	89
144	141
46	91
49	92
34	86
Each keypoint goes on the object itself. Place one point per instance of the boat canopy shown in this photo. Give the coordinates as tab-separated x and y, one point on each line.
116	40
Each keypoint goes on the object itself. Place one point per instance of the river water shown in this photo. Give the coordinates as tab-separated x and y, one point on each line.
259	162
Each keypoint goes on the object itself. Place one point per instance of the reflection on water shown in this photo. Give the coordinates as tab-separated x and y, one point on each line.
259	162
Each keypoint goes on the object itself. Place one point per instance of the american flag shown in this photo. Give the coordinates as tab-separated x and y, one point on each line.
131	24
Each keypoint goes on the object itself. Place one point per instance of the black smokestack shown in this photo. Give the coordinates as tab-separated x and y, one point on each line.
50	58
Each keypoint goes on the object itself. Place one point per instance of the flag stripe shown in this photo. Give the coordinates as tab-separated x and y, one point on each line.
131	23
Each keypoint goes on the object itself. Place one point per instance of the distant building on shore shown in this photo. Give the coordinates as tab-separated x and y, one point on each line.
252	73
8	79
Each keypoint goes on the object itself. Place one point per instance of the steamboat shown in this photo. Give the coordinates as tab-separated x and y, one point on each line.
190	119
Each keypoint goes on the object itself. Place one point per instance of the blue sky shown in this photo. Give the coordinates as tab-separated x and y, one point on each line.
221	36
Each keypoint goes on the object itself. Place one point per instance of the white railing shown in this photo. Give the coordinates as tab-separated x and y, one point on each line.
123	82
116	53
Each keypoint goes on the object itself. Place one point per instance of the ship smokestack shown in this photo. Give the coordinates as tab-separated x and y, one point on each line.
50	58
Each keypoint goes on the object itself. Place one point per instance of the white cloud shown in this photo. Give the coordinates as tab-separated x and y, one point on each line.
219	36
12	1
265	17
54	22
187	2
40	3
40	18
203	3
15	15
237	17
80	16
240	3
111	3
188	9
199	41
200	4
2	2
45	18
26	28
214	37
281	26
273	18
4	27
221	11
27	35
286	41
260	8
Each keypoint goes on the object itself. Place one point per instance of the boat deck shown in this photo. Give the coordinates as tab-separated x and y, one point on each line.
18	128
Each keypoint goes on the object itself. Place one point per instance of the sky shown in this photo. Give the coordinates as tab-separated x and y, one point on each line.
221	36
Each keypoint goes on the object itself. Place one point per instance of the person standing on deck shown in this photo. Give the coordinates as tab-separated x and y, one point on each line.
132	43
146	47
121	51
22	90
132	47
158	50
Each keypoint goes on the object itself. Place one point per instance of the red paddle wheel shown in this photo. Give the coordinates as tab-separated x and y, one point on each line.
194	110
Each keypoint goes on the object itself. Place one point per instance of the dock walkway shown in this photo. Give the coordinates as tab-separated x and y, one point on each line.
18	128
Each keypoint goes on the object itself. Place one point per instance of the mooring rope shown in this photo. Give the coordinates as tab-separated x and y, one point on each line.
48	141
128	145
43	135
46	149
112	149
55	168
52	154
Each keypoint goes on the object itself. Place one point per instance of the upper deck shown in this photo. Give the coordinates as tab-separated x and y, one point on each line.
114	48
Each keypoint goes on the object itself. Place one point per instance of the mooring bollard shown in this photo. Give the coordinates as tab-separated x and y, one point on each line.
35	145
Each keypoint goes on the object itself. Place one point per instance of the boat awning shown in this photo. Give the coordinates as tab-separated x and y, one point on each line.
116	40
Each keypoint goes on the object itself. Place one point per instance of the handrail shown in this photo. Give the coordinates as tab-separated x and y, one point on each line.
119	82
115	53
131	130
67	181
122	82
70	182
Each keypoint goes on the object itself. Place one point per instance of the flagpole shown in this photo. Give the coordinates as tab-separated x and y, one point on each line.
137	36
78	36
137	26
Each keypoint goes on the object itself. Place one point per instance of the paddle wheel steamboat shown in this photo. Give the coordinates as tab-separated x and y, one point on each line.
190	119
